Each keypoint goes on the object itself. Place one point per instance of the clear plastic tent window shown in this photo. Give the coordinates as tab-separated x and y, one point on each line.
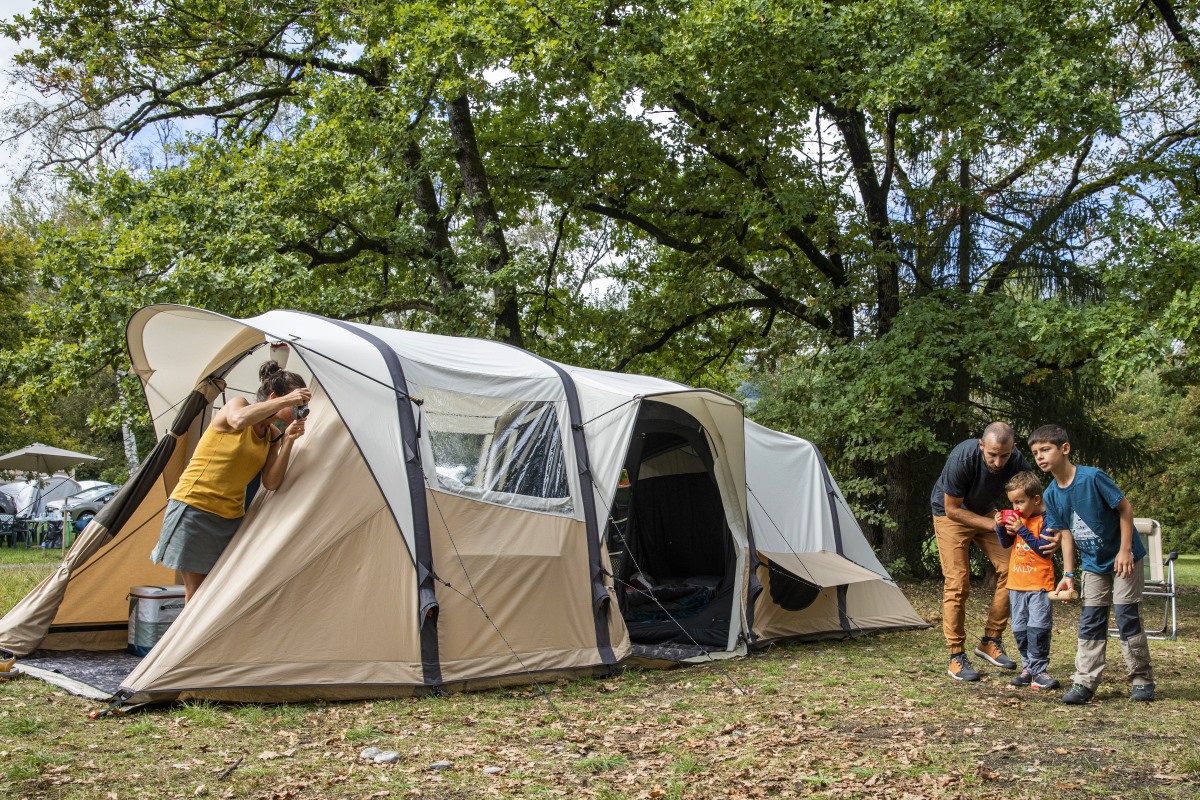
502	451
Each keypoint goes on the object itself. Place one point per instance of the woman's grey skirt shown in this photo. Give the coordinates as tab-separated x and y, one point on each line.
192	540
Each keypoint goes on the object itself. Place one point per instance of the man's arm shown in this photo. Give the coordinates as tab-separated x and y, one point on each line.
965	516
1123	564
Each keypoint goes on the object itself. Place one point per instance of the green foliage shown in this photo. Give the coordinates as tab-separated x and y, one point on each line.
890	221
71	409
1167	488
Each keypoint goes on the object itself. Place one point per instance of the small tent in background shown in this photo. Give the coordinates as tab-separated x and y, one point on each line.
30	496
460	513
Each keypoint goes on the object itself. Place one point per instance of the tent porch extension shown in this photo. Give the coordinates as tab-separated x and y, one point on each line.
459	514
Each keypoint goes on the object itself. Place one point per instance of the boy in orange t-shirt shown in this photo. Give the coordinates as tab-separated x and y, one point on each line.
1030	579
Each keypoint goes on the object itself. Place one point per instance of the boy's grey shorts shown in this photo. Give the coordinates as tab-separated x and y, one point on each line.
1034	609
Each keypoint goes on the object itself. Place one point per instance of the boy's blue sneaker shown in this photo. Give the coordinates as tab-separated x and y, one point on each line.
1143	692
961	669
1024	679
990	649
1043	680
1077	695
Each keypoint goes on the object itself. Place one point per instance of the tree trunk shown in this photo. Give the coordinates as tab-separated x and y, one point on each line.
873	531
437	248
964	227
487	221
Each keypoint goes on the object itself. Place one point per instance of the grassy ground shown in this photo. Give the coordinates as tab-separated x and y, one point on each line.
21	569
875	717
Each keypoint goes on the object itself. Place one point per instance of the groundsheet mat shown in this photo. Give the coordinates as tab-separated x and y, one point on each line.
95	675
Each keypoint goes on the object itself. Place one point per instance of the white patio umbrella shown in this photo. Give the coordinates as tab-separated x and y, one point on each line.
39	457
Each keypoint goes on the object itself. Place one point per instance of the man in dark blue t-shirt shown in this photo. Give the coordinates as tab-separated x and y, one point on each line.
964	507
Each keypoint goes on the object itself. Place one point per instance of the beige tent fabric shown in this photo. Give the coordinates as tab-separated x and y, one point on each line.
529	572
317	589
772	622
295	694
162	348
24	626
870	605
880	605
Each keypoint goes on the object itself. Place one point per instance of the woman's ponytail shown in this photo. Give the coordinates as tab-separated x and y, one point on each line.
276	380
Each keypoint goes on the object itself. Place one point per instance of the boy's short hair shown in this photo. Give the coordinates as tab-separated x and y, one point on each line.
1026	482
1054	434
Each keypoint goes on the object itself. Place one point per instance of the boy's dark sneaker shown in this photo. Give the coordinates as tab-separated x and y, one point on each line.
992	651
961	669
1044	680
1143	692
1024	679
1077	695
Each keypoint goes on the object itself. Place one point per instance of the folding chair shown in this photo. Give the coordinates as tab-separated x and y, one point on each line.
1160	579
8	531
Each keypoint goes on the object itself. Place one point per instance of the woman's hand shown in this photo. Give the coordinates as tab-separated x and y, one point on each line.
294	430
297	397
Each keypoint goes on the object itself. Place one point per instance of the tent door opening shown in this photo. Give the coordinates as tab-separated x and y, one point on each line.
672	550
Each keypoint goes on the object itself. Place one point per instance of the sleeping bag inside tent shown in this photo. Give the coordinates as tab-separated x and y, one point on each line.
459	514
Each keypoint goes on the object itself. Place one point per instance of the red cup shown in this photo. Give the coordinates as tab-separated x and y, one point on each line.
1007	515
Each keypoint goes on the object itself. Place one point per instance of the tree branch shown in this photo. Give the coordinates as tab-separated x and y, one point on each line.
687	322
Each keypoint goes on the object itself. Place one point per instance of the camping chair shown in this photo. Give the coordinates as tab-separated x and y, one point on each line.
14	530
1160	578
8	530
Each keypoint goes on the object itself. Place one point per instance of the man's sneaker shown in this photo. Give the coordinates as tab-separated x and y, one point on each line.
1044	680
961	669
1077	695
1024	679
1143	692
992	651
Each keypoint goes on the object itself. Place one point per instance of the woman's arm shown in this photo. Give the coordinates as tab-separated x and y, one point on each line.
279	455
238	414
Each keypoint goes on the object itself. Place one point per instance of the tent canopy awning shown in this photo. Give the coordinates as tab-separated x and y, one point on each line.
821	568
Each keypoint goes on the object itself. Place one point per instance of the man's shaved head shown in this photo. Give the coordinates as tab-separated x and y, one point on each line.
999	432
997	445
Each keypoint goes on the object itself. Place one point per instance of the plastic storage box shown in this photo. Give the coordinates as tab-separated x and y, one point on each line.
152	609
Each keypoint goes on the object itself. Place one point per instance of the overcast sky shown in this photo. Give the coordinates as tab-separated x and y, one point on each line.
10	156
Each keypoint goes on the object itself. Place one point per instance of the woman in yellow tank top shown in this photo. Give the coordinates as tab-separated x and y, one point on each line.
208	503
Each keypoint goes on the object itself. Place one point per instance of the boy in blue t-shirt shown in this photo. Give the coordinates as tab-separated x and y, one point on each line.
1086	504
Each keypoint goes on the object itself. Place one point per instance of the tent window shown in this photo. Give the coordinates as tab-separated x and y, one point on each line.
502	451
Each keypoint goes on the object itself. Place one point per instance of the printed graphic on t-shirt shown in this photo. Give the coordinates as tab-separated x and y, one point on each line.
1023	550
1085	538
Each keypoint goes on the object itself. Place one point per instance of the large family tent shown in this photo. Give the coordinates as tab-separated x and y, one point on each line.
460	513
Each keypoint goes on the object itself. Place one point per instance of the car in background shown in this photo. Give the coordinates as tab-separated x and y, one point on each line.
82	506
